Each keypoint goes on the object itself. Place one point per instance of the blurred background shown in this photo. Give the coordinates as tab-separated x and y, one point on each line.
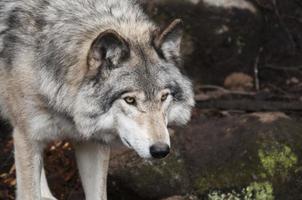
244	141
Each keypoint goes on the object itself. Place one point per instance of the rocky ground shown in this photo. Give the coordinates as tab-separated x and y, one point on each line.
244	140
217	156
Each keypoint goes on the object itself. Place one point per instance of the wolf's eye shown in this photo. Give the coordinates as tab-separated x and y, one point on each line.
130	100
164	97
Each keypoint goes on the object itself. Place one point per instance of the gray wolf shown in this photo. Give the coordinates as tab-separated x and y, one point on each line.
89	71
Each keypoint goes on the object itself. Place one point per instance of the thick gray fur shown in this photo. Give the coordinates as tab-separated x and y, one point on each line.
65	68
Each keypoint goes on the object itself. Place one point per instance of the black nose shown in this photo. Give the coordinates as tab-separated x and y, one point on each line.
159	150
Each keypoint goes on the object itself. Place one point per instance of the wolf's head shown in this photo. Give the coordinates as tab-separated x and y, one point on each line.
134	89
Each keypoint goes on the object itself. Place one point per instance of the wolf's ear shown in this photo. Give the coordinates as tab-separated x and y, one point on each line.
108	48
167	42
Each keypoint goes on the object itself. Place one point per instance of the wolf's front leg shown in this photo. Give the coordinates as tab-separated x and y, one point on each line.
28	160
45	191
93	161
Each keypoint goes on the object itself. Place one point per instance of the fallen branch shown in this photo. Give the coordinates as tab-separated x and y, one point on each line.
251	105
288	68
214	92
225	91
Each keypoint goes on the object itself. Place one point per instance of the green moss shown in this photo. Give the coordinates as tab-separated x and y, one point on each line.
255	191
233	174
259	191
277	159
217	195
201	184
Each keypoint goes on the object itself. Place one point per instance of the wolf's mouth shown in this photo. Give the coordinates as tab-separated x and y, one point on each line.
126	143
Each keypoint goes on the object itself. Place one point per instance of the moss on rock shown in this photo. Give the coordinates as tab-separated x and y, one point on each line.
255	191
277	159
158	179
238	157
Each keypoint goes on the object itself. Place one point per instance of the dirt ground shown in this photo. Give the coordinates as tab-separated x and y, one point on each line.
233	55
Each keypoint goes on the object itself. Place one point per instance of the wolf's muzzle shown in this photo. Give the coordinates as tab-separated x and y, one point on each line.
159	150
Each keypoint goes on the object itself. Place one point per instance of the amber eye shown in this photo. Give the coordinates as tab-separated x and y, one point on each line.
130	100
164	97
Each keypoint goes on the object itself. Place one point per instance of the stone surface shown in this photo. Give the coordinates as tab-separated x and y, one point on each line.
237	155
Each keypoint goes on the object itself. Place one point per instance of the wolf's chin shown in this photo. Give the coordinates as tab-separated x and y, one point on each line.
143	155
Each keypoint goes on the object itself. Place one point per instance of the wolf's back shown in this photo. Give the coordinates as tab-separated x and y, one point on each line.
52	36
57	29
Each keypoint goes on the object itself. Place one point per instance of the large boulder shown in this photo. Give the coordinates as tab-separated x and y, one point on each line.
254	156
217	40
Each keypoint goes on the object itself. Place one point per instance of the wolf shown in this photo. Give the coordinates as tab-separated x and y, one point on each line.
90	71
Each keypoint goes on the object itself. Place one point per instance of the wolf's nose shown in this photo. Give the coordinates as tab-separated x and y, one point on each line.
159	150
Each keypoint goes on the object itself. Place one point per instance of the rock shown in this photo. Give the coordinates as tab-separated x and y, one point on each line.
155	179
239	156
217	39
229	4
238	81
270	117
